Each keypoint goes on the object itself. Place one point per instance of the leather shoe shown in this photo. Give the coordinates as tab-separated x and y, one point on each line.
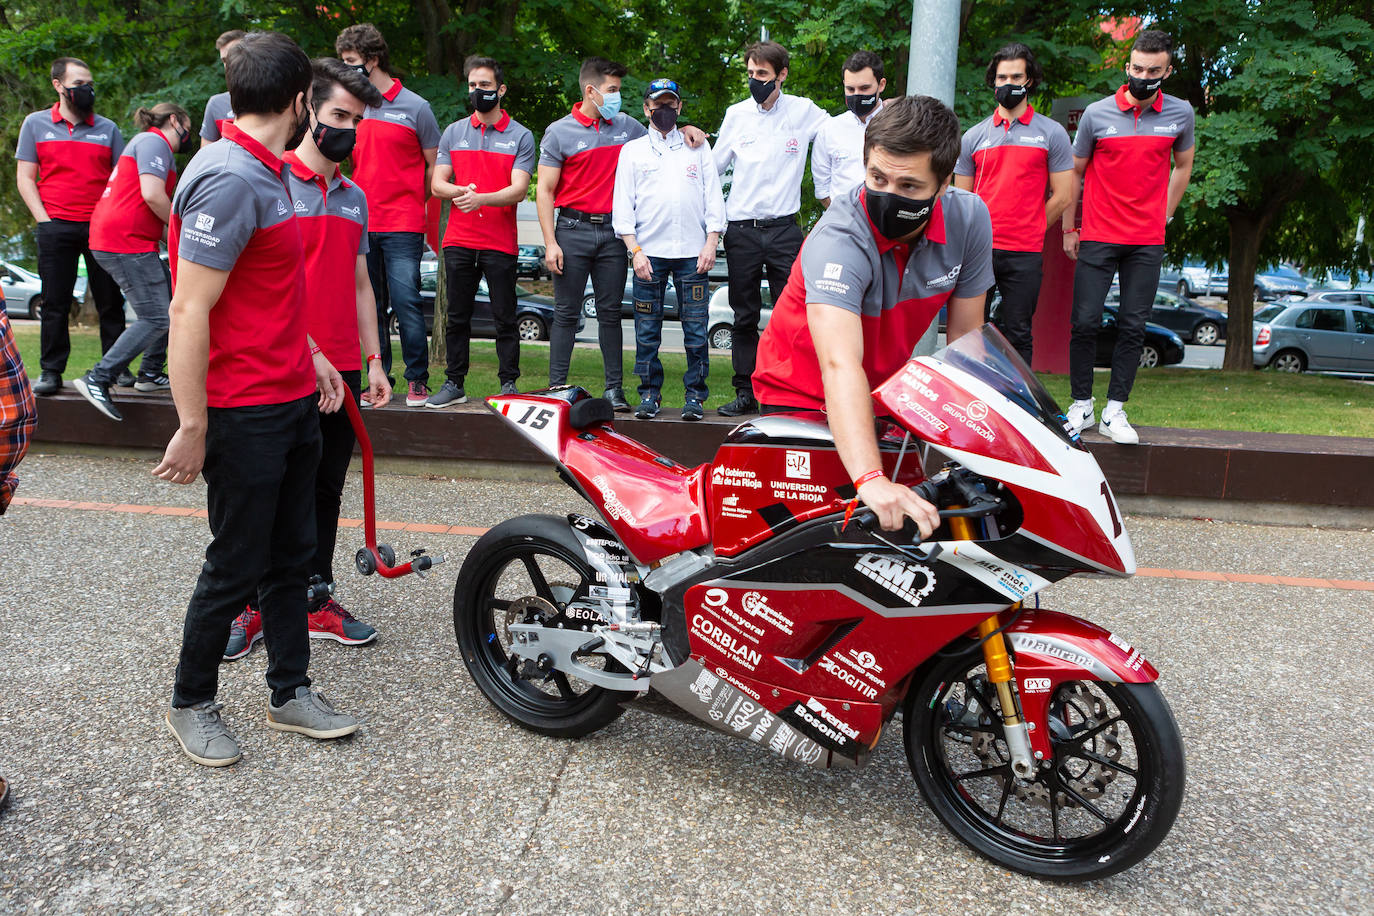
48	383
617	398
742	404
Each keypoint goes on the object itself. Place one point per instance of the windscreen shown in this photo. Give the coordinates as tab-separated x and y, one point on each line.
986	355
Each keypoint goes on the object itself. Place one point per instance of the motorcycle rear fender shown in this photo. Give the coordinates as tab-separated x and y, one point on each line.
1051	648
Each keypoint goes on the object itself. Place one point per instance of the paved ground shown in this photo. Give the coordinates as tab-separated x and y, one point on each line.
439	804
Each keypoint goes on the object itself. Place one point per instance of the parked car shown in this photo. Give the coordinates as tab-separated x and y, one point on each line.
1194	322
1317	336
529	262
627	299
1360	296
720	318
533	313
1273	282
1192	278
24	291
1162	346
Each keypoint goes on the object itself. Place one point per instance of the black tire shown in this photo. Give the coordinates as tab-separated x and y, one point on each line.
531	327
487	592
1207	334
1289	361
36	306
721	337
589	306
959	759
1149	356
393	329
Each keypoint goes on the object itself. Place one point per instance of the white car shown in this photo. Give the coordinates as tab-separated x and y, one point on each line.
720	317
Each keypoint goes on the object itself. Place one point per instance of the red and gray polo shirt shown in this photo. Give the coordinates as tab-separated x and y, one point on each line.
485	156
587	150
74	160
1129	153
218	112
1010	162
389	160
896	290
332	217
123	222
233	211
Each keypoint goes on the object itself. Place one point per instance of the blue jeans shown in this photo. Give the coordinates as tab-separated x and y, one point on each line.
393	263
691	297
148	287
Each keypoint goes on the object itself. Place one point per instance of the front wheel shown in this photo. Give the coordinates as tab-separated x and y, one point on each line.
1149	356
527	570
721	337
531	327
1206	334
1104	802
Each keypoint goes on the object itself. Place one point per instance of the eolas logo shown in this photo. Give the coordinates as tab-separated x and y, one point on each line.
205	222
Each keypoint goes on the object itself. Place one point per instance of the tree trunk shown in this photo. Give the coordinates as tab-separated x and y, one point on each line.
1246	233
437	349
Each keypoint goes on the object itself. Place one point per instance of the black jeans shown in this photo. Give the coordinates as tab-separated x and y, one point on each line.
336	451
1138	267
61	243
464	269
750	251
260	465
589	249
1017	275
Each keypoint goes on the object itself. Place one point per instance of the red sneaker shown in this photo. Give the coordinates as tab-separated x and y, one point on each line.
243	632
332	621
416	394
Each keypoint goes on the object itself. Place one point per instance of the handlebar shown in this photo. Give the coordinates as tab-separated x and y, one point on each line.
980	504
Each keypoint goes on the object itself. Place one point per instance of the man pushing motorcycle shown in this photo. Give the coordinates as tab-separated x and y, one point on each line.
870	278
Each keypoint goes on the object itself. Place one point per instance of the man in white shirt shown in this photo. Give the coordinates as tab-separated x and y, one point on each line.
837	158
669	210
765	137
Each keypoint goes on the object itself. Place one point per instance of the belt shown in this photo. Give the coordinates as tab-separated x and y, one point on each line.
765	223
597	218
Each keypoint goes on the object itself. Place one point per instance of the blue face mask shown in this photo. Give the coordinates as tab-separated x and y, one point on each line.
610	104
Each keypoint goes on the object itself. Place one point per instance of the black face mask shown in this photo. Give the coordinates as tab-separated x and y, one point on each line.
761	90
361	68
82	97
1143	90
861	105
334	143
484	100
896	216
302	126
183	140
1009	95
665	119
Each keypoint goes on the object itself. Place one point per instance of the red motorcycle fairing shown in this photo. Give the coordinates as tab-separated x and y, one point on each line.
1052	648
655	506
778	471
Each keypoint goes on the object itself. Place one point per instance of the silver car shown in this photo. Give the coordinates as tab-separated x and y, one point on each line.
720	318
1317	336
23	290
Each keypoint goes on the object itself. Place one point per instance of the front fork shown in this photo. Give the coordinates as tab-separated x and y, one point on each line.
1014	727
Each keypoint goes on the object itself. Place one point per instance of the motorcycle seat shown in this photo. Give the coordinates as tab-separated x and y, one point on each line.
590	412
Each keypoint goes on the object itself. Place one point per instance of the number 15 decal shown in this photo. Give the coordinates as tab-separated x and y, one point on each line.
537	417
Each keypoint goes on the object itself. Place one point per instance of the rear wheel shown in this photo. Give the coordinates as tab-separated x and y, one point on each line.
720	337
1104	802
1288	361
36	307
527	570
1206	334
531	327
1149	356
589	306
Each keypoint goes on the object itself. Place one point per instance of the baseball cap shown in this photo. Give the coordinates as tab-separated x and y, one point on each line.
663	87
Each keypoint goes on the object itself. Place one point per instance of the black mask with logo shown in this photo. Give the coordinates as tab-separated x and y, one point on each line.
896	216
1010	95
302	127
334	143
664	119
484	100
183	139
1141	89
82	98
862	105
761	89
361	68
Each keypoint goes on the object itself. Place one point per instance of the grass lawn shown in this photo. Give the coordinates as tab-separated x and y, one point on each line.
1190	398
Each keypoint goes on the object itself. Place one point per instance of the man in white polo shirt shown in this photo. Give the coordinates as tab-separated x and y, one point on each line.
668	209
765	138
837	157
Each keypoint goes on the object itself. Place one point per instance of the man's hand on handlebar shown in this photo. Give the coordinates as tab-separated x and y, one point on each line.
892	502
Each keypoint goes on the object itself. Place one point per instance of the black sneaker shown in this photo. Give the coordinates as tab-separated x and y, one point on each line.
448	395
692	410
617	398
125	379
159	382
48	383
98	394
647	409
742	404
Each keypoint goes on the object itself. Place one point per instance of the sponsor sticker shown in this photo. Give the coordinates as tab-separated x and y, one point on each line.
832	271
614	507
205	222
1035	685
911	582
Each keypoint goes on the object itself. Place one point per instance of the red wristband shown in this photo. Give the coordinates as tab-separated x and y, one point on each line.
314	350
372	356
871	475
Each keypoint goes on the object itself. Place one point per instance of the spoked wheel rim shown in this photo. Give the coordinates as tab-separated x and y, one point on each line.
721	339
1206	334
1288	362
1149	358
531	329
528	583
1090	796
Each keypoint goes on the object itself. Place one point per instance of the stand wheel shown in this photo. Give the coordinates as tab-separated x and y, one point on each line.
367	565
387	554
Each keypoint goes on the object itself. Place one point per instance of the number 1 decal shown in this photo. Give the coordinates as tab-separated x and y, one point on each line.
1111	508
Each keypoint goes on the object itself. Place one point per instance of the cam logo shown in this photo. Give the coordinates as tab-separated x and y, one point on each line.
798	465
205	222
898	577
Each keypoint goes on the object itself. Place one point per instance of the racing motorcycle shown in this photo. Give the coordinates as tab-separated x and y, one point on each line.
756	594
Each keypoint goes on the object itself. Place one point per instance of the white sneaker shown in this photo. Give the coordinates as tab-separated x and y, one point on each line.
1079	417
1118	429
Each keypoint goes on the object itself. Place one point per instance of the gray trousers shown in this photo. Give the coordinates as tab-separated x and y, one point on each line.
589	249
147	286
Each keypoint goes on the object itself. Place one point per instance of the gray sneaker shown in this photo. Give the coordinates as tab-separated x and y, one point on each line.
509	388
310	714
202	735
448	395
